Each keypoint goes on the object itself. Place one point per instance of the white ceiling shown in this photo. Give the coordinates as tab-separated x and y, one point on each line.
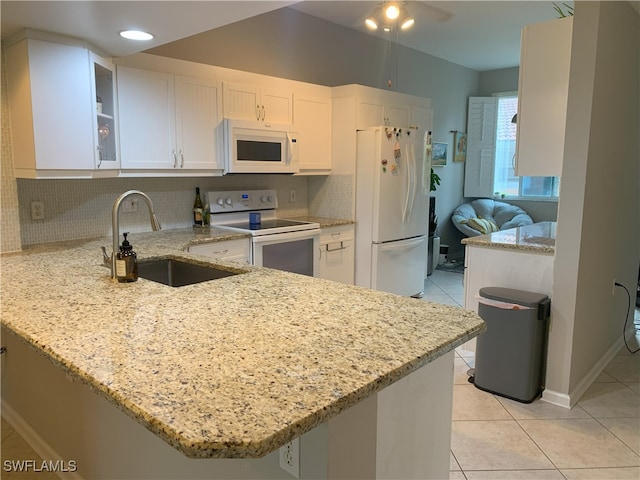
477	34
480	35
98	22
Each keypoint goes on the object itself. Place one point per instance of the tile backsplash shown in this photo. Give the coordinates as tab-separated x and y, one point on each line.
332	196
76	209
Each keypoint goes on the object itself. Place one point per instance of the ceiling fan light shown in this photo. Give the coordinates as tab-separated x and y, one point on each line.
408	23
405	20
392	11
371	23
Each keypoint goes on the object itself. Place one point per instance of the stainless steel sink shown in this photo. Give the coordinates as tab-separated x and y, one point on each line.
178	273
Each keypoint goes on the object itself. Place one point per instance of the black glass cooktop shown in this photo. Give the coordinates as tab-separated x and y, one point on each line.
266	224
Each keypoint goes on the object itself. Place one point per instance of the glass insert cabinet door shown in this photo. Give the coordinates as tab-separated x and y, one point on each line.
104	99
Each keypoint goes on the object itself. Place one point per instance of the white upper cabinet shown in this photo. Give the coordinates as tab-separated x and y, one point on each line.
357	107
375	107
251	102
168	122
103	85
52	104
381	109
312	123
421	117
543	88
198	118
146	108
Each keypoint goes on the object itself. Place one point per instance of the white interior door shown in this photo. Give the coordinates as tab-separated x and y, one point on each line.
399	267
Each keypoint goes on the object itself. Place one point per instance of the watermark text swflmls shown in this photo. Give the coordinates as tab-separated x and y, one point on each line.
61	466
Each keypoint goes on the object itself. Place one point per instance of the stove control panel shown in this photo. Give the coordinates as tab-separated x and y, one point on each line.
228	201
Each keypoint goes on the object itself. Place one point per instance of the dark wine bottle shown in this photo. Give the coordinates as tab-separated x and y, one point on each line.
198	209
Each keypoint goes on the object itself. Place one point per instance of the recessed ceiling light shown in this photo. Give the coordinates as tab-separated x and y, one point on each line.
136	35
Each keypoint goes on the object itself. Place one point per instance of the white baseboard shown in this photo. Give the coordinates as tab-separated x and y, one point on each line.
42	448
556	398
569	400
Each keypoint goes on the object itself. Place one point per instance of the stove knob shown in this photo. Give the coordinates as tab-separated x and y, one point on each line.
228	201
270	199
263	199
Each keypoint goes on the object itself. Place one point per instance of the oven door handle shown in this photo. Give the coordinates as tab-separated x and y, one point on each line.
286	236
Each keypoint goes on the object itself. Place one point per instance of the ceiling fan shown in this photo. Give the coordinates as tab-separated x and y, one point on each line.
393	15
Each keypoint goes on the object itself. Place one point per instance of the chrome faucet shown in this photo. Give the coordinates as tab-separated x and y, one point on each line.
115	226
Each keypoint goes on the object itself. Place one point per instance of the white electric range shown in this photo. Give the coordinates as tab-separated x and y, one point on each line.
278	243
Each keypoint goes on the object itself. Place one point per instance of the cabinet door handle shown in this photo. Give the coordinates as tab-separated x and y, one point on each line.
175	159
99	156
257	112
263	113
341	247
181	159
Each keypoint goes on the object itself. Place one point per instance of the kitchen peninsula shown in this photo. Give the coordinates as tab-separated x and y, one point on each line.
225	371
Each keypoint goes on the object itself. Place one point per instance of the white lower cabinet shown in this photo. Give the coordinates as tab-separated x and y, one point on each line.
503	267
337	254
238	250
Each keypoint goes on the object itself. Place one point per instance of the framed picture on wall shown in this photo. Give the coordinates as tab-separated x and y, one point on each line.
459	147
440	152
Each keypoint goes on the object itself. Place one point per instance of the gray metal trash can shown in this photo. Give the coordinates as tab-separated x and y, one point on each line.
510	354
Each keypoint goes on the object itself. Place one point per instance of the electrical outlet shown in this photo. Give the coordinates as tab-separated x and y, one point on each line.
290	457
37	210
292	195
130	206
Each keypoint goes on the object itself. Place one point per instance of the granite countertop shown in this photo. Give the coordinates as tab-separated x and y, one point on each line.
231	368
324	222
539	237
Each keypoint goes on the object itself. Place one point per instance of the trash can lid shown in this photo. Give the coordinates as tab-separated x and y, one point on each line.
510	295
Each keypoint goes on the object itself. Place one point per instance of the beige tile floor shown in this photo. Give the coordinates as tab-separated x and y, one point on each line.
496	438
14	447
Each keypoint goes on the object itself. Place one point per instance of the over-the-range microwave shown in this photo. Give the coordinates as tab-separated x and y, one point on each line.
259	147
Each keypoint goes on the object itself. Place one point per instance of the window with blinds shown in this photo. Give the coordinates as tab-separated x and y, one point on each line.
491	149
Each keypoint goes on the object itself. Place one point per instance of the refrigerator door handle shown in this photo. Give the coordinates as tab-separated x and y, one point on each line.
406	198
404	245
413	176
409	176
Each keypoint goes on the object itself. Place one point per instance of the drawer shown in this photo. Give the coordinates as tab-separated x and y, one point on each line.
236	250
336	234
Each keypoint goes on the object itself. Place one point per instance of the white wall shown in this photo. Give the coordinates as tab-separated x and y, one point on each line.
495	81
598	235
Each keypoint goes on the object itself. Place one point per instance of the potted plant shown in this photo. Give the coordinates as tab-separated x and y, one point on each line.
435	180
433	219
433	242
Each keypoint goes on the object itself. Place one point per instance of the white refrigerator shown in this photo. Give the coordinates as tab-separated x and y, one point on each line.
392	209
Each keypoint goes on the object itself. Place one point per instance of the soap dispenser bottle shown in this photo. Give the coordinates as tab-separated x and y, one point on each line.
126	262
